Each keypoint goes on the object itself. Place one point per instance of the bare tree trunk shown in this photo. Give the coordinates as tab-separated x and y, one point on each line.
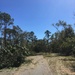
5	35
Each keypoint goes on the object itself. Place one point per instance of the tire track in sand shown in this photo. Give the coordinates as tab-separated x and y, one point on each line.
39	66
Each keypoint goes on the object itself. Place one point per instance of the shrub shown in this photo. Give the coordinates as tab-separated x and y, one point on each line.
12	56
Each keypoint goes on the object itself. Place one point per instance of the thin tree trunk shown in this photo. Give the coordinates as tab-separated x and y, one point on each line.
5	35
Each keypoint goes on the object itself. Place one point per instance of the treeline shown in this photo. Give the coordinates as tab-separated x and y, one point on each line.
16	44
63	41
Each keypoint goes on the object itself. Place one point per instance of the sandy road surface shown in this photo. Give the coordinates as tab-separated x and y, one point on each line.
39	66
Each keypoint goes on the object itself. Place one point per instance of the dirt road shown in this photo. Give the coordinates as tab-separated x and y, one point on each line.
38	66
49	64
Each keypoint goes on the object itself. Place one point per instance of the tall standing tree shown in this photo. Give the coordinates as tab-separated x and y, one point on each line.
47	35
5	20
47	38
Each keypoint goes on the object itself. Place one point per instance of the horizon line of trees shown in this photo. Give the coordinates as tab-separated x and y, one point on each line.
16	44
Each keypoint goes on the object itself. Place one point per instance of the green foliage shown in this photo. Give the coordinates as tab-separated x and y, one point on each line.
66	47
5	20
40	46
12	55
64	41
16	44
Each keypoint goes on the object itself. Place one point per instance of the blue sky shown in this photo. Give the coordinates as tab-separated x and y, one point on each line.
39	15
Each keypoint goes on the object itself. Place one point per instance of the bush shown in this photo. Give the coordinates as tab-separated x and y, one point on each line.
12	56
68	46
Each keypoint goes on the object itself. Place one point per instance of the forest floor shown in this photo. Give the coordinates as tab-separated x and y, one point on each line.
45	64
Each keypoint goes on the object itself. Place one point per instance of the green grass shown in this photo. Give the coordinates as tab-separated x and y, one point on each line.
50	54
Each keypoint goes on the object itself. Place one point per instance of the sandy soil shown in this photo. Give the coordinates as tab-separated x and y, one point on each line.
42	65
39	66
60	67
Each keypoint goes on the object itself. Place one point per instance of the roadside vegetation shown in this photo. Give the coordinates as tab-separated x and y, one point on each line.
61	65
16	44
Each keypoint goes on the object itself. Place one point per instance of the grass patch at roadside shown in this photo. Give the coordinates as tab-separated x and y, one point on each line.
50	54
61	65
69	62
